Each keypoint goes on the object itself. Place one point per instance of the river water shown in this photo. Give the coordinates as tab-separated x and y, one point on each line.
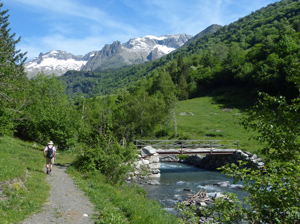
178	180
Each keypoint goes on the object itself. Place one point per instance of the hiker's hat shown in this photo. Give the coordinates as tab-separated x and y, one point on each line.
50	143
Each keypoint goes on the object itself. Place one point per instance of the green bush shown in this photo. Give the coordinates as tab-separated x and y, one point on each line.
113	160
183	157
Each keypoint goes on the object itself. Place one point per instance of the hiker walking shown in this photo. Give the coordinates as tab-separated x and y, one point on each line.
50	156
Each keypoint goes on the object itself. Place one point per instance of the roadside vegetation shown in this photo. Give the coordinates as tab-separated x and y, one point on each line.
23	188
120	203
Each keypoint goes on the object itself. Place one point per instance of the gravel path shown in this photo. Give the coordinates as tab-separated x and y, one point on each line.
66	203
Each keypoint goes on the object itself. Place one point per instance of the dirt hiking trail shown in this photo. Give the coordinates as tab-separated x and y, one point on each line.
66	203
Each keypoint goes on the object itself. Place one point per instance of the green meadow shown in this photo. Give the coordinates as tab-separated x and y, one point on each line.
206	118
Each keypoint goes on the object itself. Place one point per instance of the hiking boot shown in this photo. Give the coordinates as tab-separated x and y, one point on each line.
48	171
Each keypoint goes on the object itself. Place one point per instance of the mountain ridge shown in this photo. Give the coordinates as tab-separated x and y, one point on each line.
115	55
57	61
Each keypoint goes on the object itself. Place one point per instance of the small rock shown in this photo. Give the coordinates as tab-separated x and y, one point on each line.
154	176
154	159
222	184
154	166
153	182
186	189
203	204
254	157
145	162
237	186
219	195
156	171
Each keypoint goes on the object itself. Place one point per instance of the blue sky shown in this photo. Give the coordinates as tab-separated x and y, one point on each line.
81	26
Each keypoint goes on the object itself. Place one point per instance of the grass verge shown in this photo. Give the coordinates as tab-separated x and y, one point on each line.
120	203
23	188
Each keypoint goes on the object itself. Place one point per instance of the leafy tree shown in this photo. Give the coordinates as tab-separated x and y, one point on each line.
49	115
100	148
13	80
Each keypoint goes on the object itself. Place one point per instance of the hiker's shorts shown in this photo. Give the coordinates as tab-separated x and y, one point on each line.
49	160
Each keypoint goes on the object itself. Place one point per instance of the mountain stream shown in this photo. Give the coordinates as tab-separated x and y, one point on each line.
178	180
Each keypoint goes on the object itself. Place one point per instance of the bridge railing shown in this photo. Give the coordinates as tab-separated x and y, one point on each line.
191	144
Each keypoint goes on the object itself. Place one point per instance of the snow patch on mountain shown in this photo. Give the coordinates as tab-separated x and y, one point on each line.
165	49
156	38
54	62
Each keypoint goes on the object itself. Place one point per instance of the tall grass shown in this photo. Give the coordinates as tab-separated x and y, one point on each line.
23	188
120	203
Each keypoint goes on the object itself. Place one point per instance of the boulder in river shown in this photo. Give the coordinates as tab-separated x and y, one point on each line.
222	184
168	158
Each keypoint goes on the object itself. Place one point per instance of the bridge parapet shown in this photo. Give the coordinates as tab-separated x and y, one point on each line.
190	145
195	151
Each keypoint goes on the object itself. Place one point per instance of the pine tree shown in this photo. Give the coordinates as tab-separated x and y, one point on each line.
12	76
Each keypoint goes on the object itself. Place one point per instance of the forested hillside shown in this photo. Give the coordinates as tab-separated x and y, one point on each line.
252	53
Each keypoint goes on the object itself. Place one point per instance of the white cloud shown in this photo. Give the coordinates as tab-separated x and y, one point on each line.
78	28
75	9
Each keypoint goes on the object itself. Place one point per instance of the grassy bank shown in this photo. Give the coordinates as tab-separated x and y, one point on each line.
120	203
23	188
208	118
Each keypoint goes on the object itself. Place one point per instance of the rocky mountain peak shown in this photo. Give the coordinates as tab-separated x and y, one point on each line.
112	49
135	51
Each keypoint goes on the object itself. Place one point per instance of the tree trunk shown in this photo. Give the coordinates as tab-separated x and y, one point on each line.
175	124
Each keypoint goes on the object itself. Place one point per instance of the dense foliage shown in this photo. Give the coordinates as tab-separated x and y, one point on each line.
13	79
48	115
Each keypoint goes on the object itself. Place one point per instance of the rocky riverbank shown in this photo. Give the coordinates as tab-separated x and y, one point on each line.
212	162
147	166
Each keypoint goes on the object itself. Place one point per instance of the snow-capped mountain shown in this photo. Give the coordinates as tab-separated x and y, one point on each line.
134	51
55	62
